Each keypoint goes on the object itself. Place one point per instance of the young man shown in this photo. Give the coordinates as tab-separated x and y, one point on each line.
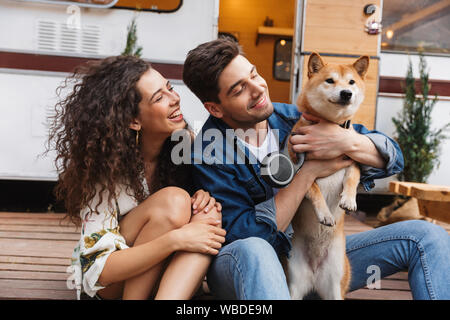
257	217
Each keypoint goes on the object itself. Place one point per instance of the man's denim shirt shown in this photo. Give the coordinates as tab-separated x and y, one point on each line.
248	206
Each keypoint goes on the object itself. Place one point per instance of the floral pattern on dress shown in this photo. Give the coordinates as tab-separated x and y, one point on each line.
100	236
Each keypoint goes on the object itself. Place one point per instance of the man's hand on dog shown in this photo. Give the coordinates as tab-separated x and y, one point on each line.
322	140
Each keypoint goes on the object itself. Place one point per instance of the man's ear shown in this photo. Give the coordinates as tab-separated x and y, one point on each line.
214	109
135	125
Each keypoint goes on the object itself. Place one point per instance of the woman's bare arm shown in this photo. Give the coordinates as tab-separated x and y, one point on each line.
203	237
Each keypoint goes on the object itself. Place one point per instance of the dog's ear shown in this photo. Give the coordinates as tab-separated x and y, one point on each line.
315	63
361	65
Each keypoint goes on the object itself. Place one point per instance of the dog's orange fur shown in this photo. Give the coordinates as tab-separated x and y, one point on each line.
318	72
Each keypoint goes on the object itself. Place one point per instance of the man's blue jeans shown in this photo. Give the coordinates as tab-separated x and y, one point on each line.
250	269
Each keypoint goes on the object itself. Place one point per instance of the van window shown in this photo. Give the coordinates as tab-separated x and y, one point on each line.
416	26
282	60
150	5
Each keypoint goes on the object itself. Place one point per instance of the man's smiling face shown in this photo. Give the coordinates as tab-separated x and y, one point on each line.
244	96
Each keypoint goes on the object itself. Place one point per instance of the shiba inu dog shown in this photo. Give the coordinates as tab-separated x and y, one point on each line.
318	260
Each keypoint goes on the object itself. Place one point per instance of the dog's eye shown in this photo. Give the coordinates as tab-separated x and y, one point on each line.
351	81
329	80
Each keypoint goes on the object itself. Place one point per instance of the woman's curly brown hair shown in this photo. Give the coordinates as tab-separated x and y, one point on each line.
96	149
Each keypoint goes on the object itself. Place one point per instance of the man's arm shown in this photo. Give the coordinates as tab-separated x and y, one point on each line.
378	155
326	140
241	218
288	199
362	150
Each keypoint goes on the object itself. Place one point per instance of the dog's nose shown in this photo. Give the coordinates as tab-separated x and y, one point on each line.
346	95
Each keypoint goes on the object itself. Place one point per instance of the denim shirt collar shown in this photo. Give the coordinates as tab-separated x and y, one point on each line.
282	119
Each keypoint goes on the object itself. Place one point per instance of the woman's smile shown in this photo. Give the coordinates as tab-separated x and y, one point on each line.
176	116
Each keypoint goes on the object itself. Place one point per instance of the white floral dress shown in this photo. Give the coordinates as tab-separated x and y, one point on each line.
100	236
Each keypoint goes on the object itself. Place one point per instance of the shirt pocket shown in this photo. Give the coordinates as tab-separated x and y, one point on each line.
255	190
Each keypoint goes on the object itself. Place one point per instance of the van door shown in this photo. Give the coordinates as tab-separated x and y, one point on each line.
340	31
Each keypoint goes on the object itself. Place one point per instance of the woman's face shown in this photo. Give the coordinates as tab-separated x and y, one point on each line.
159	109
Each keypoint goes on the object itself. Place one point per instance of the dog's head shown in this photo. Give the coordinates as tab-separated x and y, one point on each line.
334	92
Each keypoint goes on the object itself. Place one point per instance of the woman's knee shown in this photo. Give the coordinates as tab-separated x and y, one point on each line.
174	207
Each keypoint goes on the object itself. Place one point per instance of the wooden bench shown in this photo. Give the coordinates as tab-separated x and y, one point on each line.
35	251
433	201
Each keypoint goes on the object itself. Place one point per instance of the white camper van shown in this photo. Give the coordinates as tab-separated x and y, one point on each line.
42	41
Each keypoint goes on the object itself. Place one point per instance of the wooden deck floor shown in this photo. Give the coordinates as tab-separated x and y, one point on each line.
35	251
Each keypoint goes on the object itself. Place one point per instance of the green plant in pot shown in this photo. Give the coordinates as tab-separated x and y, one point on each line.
420	143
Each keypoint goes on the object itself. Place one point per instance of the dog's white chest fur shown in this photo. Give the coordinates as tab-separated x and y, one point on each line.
331	188
316	253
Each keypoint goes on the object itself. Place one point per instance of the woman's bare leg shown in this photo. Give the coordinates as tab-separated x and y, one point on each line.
186	270
175	210
165	210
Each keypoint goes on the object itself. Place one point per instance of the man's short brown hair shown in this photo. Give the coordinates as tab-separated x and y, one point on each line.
204	65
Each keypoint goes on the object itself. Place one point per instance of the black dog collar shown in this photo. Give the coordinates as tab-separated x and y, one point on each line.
346	124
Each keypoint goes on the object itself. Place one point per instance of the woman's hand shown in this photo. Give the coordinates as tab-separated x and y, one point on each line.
202	201
202	236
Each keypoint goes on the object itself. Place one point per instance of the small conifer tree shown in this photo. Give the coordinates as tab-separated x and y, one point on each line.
132	49
418	140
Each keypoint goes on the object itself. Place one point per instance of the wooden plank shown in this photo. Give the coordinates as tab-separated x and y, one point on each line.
35	251
431	192
40	228
353	225
34	284
433	200
338	28
37	248
7	293
276	31
39	235
28	215
390	284
33	275
35	260
367	294
35	222
36	269
401	187
438	210
389	290
421	190
32	267
399	276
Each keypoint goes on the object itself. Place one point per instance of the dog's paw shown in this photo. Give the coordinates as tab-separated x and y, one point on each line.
347	203
327	220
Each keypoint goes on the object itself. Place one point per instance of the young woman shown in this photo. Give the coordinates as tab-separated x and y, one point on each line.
142	234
